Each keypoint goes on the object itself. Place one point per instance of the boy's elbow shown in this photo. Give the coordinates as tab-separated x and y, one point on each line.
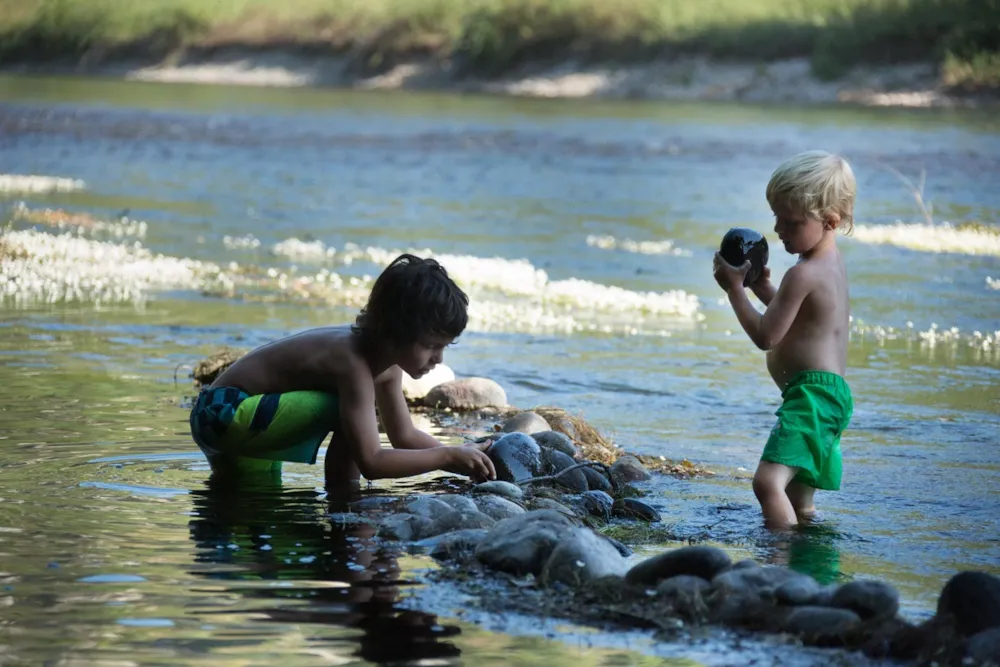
764	344
369	468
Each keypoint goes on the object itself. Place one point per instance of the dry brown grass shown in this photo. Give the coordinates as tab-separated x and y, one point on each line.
211	367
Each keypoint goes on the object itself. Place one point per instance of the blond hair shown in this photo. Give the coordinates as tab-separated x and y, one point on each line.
815	183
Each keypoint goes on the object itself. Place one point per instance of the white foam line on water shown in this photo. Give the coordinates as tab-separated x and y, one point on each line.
992	283
944	237
24	183
52	268
665	247
81	223
516	279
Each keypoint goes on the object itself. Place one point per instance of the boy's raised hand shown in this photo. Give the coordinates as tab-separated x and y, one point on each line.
728	276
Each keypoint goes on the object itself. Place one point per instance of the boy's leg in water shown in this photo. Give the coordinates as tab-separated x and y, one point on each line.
801	497
340	470
769	484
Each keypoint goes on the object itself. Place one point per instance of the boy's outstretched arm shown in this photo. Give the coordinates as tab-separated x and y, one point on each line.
359	425
769	329
395	414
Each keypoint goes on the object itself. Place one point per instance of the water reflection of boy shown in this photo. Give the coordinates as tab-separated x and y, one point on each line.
810	549
273	534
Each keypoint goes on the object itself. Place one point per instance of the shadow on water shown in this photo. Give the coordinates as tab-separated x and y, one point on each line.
280	548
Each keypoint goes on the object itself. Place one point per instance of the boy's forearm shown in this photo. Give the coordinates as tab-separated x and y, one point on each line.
765	292
748	316
417	440
404	463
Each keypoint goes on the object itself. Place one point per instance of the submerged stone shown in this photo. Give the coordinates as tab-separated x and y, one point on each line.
516	457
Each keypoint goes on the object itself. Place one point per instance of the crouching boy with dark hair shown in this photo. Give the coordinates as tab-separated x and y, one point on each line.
279	402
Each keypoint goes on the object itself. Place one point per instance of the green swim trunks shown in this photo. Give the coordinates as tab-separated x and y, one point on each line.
259	432
816	408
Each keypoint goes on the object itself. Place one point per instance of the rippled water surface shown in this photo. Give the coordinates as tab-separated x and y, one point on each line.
583	232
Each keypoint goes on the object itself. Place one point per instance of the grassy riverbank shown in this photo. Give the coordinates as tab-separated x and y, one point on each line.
490	37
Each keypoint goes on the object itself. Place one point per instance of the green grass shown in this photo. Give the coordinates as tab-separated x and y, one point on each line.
492	36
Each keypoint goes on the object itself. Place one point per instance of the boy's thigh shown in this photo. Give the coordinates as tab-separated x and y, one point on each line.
287	427
774	475
801	496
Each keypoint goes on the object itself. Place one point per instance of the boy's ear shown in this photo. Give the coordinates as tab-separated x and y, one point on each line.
831	220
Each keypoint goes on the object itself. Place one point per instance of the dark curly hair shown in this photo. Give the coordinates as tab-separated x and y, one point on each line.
413	298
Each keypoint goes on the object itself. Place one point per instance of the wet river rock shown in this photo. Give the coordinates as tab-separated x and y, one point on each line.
554	461
526	422
516	457
972	600
633	508
699	561
466	394
629	469
499	488
558	441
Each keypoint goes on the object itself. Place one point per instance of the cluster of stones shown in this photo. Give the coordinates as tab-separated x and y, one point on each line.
490	529
536	521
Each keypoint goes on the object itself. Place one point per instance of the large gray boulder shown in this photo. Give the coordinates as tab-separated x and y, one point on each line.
582	556
466	394
523	544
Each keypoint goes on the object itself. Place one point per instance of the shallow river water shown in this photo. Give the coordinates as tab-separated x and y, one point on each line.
583	232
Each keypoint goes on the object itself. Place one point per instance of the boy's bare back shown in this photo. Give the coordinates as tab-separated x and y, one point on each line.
312	360
817	338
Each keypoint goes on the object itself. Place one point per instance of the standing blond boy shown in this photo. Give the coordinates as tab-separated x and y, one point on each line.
804	330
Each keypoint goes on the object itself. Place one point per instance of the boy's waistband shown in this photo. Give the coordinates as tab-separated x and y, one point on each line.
821	378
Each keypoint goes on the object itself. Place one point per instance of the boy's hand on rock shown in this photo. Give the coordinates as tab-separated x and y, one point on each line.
470	461
728	276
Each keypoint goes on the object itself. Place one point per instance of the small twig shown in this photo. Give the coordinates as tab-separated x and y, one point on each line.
917	192
586	464
178	367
